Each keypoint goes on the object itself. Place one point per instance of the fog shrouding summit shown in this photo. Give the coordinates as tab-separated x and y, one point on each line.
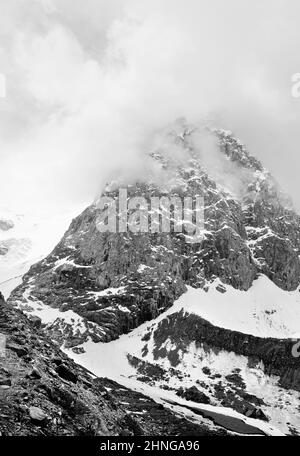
89	82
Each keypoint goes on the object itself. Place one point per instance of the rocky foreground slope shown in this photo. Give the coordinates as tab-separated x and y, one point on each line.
43	392
96	286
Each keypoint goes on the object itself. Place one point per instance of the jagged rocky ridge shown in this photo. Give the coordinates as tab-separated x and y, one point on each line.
97	286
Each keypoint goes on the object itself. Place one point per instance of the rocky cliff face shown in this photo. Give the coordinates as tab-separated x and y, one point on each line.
96	286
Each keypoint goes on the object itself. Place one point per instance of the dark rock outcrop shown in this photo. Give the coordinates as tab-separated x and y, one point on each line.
6	225
193	394
276	354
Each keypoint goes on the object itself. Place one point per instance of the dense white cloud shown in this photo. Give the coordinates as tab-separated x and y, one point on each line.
88	81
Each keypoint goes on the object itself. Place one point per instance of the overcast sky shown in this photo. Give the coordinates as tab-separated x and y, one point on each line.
89	80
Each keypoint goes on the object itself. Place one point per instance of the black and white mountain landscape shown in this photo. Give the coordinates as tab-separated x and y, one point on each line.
205	329
148	332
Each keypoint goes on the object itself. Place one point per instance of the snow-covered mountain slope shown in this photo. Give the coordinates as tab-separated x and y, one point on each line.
227	303
26	238
265	310
198	371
